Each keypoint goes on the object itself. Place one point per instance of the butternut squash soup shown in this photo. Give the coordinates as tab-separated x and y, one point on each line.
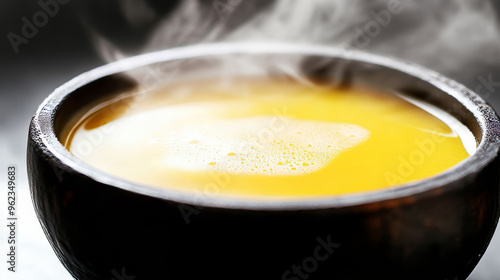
268	139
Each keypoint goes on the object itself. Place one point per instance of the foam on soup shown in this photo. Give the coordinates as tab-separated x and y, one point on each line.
269	139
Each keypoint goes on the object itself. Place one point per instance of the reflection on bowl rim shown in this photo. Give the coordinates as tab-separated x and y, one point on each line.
487	149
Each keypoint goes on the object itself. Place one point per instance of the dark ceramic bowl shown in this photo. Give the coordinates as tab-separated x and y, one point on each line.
103	227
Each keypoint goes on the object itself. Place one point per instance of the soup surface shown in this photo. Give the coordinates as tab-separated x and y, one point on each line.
270	139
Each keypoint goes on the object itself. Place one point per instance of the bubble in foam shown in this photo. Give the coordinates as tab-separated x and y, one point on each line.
260	150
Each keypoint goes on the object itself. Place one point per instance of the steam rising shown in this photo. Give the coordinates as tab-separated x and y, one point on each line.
454	37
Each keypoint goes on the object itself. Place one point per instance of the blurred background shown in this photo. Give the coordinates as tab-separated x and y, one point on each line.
45	43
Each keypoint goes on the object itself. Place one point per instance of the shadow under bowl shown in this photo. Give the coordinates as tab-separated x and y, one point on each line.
103	227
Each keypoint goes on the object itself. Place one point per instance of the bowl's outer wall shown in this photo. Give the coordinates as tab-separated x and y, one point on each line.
100	231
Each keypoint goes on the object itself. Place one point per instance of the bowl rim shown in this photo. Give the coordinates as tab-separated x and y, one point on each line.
42	129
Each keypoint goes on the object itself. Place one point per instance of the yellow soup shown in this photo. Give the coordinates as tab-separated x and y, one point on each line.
268	139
